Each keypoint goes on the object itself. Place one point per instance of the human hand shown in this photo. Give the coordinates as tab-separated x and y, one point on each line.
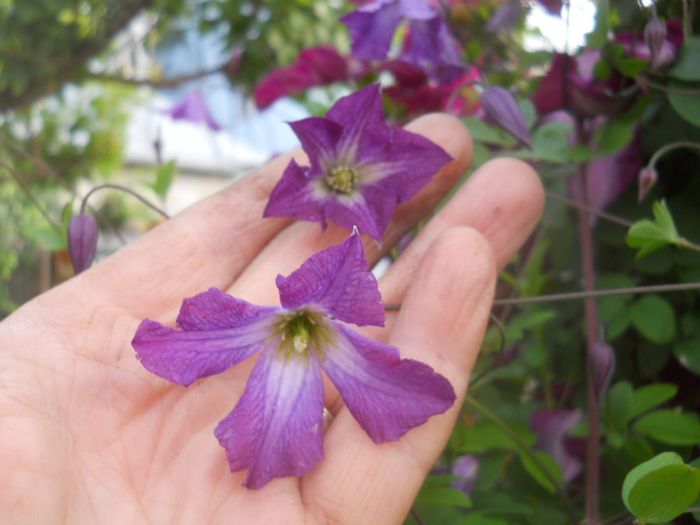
87	435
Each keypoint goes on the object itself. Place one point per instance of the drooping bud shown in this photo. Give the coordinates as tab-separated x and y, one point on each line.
501	107
603	361
646	180
655	36
82	241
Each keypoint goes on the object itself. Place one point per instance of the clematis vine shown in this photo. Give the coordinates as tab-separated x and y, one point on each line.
276	429
360	168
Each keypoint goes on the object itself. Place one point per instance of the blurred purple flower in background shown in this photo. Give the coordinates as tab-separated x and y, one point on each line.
552	427
276	429
82	241
506	16
429	43
315	66
193	108
360	167
465	468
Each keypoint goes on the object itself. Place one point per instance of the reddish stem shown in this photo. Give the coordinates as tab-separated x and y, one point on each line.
591	319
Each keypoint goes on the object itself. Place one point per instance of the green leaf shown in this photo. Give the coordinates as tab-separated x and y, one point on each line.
654	318
664	493
599	37
633	476
650	236
686	104
529	112
550	142
650	396
670	427
164	178
443	495
619	405
482	132
614	135
544	471
687	66
688	354
487	436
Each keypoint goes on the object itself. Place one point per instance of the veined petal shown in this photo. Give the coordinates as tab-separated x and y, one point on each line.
372	28
370	213
296	196
276	429
339	281
408	164
218	332
319	138
387	395
361	116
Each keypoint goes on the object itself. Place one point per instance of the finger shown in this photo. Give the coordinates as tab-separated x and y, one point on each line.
503	200
441	323
300	240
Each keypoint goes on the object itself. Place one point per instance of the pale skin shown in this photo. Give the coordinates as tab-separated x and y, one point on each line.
87	435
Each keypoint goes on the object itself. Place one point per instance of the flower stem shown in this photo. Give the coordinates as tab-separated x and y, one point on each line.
592	496
599	213
670	147
524	448
131	192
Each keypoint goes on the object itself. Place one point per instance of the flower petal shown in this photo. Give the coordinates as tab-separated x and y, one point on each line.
338	280
369	212
296	196
387	395
361	115
218	332
552	427
407	164
319	138
372	29
276	429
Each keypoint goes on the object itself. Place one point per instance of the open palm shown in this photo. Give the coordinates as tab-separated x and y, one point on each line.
87	435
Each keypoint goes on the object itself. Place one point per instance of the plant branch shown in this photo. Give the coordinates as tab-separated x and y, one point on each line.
592	496
594	211
159	83
27	192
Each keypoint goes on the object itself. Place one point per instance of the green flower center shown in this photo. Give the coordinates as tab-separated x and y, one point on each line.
341	179
301	332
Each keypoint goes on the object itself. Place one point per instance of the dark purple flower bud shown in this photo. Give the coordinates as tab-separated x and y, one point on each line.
551	427
603	361
193	108
509	355
655	36
465	468
646	181
82	241
501	107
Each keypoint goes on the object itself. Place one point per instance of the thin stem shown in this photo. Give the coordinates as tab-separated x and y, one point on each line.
125	190
685	243
580	206
575	296
159	83
646	81
569	296
592	498
670	147
524	447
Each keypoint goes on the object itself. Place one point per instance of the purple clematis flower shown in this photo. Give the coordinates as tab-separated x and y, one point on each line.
276	429
82	241
360	168
552	428
193	108
430	43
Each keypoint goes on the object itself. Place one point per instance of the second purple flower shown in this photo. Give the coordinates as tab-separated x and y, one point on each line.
360	168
